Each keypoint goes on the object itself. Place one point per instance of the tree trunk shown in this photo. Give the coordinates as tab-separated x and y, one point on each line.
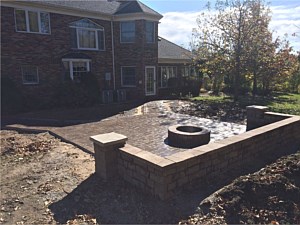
254	89
238	59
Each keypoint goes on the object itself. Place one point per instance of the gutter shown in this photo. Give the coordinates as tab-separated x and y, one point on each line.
113	52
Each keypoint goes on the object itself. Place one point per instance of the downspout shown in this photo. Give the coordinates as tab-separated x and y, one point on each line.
113	52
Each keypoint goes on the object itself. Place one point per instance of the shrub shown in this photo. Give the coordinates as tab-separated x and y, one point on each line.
85	93
11	97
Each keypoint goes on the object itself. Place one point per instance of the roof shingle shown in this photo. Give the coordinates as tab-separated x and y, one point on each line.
105	7
169	50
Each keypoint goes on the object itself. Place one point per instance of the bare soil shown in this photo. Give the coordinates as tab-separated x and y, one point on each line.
269	196
37	170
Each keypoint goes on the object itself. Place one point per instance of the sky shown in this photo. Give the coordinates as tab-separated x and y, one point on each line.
179	19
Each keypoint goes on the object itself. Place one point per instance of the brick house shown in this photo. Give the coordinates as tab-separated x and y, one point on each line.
44	43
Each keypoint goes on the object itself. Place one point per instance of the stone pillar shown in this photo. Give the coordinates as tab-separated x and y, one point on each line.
106	147
255	116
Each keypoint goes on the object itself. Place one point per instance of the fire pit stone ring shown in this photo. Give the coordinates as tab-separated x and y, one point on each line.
187	136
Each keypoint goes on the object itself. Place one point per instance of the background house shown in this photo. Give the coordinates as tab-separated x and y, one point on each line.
47	43
176	72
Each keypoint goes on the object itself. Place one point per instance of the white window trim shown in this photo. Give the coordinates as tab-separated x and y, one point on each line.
37	75
127	42
154	41
27	21
122	76
176	75
96	34
70	61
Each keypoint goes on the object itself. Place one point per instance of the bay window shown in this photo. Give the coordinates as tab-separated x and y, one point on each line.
150	32
127	32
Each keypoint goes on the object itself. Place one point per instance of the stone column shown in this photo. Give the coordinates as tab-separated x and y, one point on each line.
106	147
255	116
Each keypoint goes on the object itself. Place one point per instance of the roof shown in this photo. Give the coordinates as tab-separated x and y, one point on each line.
108	7
134	7
169	51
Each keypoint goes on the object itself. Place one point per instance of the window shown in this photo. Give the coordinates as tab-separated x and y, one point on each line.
150	32
87	35
32	21
185	71
30	75
166	75
188	71
76	68
128	76
127	32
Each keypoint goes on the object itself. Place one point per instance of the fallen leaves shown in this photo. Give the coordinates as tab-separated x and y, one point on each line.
79	219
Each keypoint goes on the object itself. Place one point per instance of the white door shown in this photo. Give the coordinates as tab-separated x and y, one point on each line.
150	80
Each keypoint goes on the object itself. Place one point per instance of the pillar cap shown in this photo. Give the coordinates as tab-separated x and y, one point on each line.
109	139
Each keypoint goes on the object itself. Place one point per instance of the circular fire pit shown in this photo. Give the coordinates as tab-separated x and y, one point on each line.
188	136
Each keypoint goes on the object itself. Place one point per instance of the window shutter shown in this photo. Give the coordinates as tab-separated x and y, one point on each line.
101	39
73	38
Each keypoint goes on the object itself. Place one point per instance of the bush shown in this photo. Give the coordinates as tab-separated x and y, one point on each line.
85	93
11	97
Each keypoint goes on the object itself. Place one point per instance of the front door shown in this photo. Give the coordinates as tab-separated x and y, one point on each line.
150	80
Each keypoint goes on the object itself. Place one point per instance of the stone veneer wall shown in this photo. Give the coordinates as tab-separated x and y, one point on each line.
164	177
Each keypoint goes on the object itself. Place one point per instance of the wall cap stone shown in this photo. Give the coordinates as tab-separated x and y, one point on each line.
148	157
130	149
279	114
109	139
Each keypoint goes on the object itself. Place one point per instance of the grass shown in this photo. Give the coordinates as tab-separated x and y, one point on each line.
278	102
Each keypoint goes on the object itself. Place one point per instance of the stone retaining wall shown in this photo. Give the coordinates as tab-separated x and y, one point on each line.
165	176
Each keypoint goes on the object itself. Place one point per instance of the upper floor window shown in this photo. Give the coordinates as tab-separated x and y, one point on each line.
30	75
128	76
127	31
32	21
150	32
87	35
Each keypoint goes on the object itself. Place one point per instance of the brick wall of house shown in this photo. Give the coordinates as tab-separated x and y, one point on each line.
46	51
138	54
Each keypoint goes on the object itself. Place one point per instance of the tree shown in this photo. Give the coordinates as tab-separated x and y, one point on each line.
230	31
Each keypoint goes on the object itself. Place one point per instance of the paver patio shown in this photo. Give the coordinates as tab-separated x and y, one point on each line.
147	130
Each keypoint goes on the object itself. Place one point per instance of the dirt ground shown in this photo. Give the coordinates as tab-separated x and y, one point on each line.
46	181
37	170
269	196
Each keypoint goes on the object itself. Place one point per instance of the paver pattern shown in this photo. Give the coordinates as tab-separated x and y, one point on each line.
146	127
148	130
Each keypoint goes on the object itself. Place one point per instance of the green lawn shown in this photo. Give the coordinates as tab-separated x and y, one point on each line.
278	102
